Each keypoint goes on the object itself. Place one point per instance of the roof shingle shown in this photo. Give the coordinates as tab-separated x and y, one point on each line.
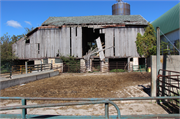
102	19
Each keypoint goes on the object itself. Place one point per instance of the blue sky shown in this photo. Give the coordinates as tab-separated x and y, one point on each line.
16	15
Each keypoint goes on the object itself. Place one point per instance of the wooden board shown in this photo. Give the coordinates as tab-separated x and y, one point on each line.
99	45
109	42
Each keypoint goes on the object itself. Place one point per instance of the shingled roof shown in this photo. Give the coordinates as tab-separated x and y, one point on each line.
102	19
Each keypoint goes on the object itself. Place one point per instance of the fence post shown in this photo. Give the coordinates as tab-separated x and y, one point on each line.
11	74
41	65
116	67
24	111
51	66
26	66
107	110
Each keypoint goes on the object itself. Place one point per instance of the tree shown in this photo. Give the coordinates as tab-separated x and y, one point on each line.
6	48
146	43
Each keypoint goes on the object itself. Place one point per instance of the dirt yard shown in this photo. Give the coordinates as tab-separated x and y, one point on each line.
91	85
88	85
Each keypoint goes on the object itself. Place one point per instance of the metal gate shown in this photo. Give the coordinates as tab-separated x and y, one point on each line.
118	64
168	84
96	66
81	101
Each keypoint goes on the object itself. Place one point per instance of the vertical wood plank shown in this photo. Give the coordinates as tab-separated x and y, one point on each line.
109	42
65	41
121	37
117	42
73	41
61	42
79	42
52	42
49	43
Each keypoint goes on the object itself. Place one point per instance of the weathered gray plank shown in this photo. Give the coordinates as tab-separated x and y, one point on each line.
49	43
38	41
52	42
109	42
99	45
73	41
55	42
117	42
65	40
79	42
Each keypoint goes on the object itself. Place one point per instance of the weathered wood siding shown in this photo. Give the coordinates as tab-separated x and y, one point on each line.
109	42
52	42
68	41
76	41
124	41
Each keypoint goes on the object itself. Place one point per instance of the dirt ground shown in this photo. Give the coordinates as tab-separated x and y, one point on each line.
91	85
87	85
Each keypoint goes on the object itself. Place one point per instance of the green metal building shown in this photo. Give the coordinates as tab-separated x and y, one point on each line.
169	25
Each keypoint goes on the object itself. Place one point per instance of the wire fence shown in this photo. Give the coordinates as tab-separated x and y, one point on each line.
21	69
73	68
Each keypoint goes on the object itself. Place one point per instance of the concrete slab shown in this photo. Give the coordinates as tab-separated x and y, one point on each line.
25	78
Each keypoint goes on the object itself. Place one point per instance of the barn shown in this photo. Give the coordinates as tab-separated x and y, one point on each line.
74	36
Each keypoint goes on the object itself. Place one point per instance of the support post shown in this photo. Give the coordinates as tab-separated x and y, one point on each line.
107	110
26	66
154	82
128	65
24	111
41	65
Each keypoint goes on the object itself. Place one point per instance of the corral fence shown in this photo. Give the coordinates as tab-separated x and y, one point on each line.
81	101
168	84
21	69
97	67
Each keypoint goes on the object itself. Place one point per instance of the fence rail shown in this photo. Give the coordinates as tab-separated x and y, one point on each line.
20	69
87	101
168	84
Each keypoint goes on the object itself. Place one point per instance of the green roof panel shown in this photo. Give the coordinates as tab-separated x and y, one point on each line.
169	21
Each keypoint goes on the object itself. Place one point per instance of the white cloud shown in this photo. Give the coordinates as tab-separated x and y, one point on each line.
14	24
27	22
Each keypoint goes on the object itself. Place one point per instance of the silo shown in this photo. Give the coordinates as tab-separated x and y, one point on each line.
121	8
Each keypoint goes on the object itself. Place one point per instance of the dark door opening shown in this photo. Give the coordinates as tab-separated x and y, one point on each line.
89	36
118	63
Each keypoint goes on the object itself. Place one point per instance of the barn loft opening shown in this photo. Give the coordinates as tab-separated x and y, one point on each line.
89	36
27	40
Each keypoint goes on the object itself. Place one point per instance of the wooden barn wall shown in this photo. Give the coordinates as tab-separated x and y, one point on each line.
124	41
76	41
52	42
66	41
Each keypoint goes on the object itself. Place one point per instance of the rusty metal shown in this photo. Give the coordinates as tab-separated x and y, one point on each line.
169	85
121	8
113	25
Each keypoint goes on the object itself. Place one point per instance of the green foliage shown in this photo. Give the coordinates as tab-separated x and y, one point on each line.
117	70
72	63
168	49
146	44
6	48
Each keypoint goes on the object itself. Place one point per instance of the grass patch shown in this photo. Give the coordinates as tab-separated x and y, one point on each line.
117	70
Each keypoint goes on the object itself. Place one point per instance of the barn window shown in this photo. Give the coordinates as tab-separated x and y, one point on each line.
38	48
28	40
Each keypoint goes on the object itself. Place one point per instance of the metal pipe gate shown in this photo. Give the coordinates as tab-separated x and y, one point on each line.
168	84
86	101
